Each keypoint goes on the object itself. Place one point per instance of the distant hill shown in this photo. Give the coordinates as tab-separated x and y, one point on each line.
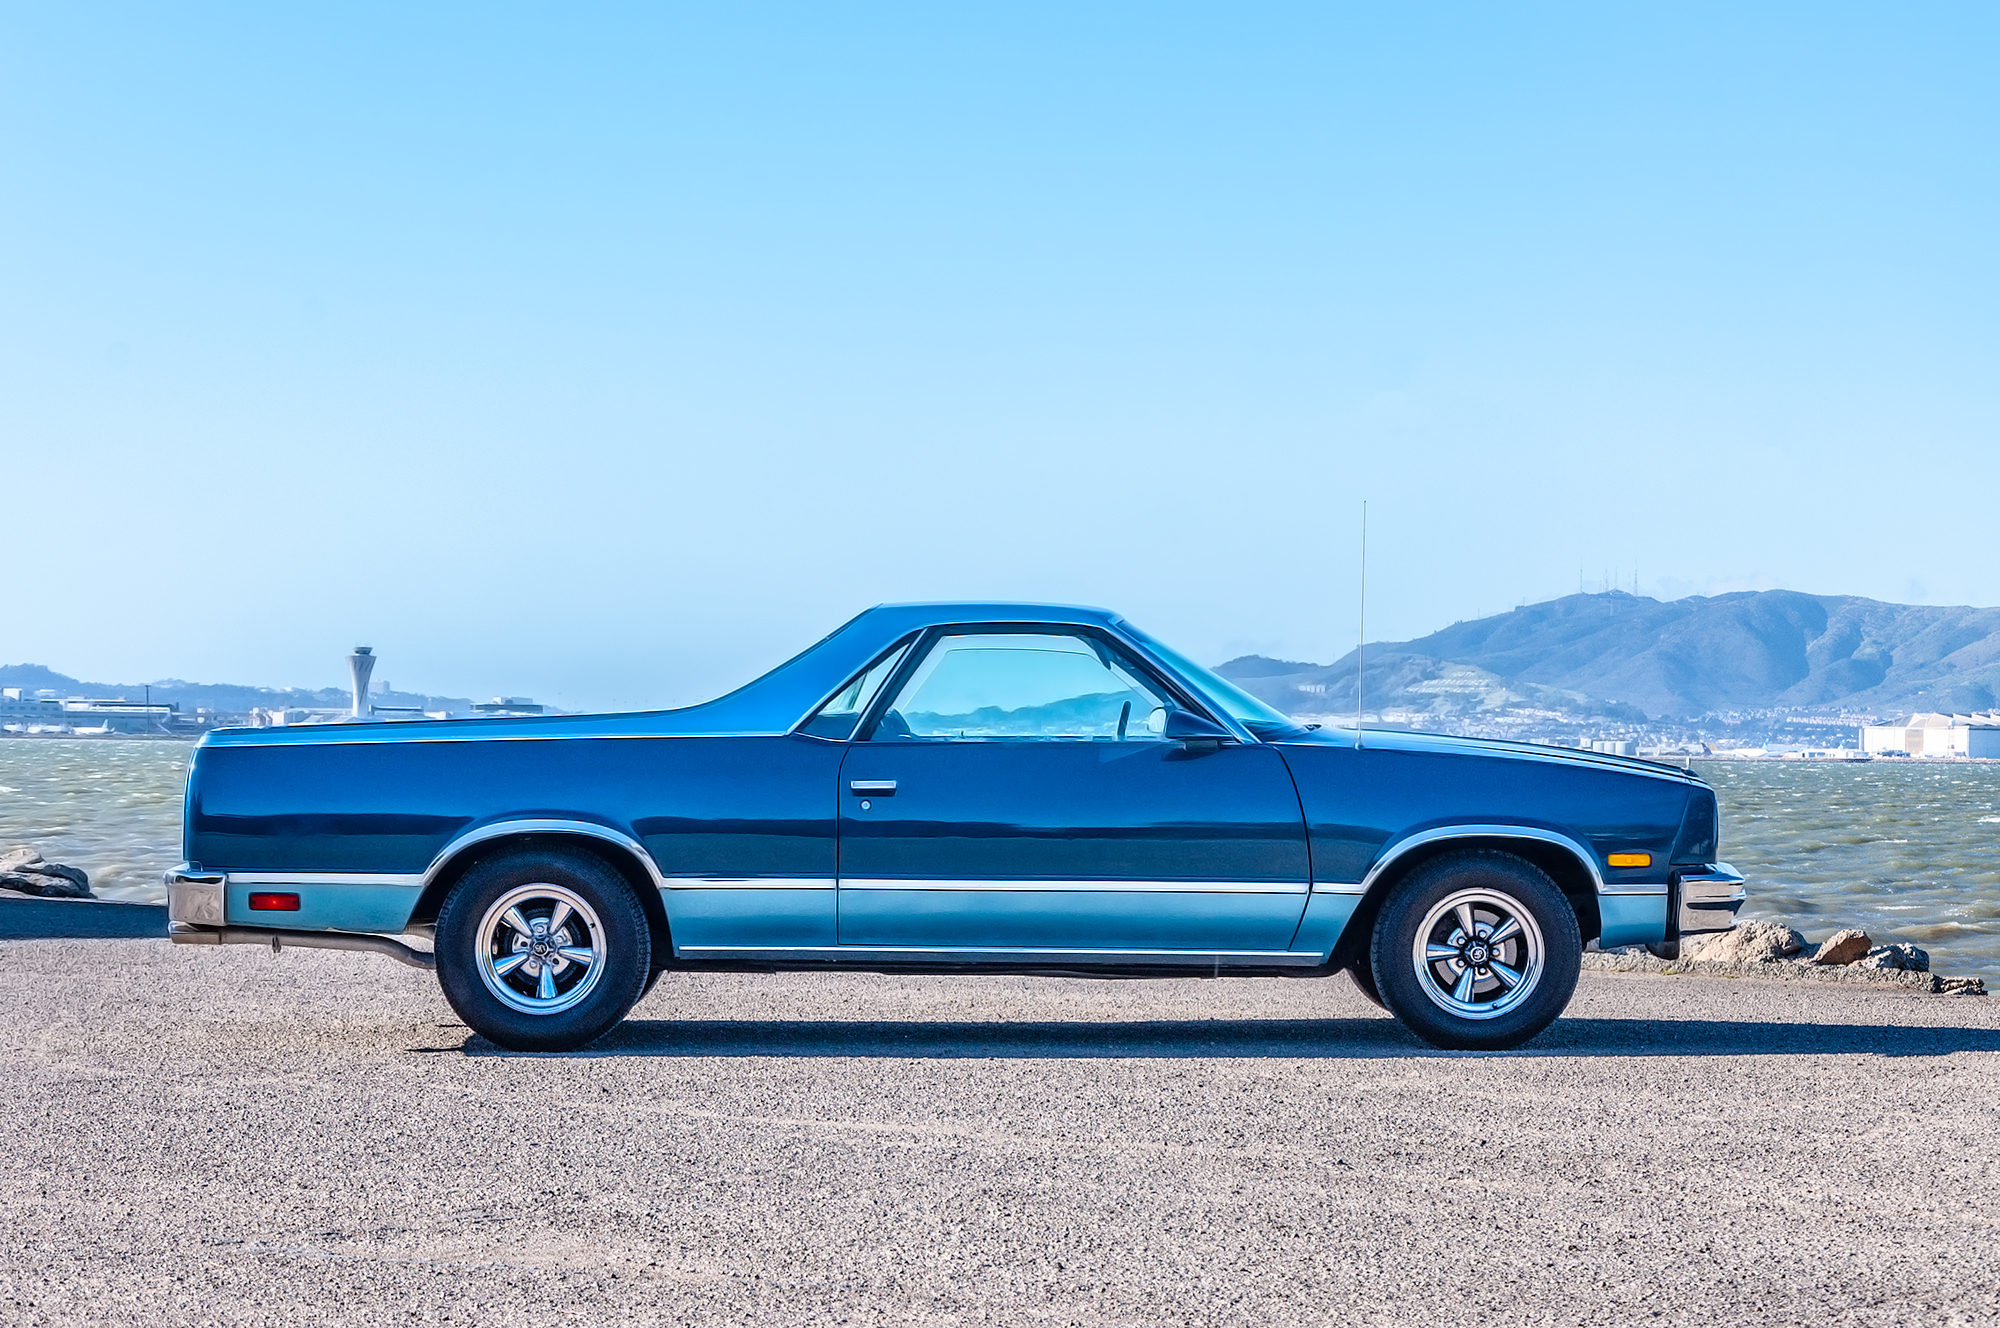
1623	656
227	698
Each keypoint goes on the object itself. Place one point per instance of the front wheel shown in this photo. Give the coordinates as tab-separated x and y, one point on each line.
1477	951
542	951
1363	973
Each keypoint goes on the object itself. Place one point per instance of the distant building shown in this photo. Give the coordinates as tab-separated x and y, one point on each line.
503	706
1602	746
1975	736
19	708
119	715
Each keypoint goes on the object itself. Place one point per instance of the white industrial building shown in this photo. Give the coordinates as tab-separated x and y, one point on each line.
1935	735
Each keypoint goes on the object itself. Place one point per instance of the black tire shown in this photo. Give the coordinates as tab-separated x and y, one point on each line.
1363	972
1485	1011
603	947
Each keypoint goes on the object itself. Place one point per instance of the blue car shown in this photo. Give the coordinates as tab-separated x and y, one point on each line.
948	787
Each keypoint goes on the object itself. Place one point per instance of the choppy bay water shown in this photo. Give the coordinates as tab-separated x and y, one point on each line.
111	806
1908	851
1905	850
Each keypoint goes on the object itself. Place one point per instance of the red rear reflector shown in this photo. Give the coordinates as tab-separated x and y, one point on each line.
275	903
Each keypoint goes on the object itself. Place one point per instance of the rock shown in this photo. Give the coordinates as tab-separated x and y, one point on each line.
1843	947
1907	958
18	856
23	869
1747	943
76	876
48	886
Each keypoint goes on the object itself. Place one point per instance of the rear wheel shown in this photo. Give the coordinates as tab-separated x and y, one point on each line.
542	951
1477	951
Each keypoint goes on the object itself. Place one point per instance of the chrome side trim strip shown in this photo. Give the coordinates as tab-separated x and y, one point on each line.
1085	886
501	829
379	733
1448	832
747	883
327	878
916	954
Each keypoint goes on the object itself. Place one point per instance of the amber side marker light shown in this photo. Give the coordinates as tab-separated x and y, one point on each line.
1616	860
275	903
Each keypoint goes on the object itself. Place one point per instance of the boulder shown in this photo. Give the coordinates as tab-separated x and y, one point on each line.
1746	943
23	869
1843	947
1905	958
47	886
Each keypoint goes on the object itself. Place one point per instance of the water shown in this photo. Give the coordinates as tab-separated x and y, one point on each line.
1908	852
111	806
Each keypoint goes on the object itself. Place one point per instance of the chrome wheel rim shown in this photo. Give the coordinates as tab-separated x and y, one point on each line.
541	948
1478	954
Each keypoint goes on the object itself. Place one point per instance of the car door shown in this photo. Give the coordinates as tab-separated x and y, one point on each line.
1017	793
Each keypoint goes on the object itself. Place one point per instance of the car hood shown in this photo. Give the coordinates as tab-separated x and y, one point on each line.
1404	740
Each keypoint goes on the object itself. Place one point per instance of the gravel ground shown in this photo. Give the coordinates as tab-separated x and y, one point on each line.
228	1136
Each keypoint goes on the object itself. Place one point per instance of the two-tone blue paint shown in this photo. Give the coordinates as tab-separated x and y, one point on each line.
751	832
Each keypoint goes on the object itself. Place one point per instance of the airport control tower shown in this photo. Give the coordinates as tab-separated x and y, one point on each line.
361	663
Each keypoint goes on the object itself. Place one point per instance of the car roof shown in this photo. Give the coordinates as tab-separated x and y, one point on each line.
908	617
771	704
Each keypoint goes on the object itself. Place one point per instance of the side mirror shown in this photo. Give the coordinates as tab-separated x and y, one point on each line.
1186	726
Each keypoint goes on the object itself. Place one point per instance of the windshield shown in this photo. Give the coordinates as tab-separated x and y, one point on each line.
1242	707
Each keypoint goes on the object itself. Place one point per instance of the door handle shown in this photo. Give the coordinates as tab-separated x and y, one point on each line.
872	788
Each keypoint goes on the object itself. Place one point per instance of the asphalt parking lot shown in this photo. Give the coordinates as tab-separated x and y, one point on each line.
232	1136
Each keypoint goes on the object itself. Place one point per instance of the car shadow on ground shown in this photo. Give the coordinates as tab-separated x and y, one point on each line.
24	918
1229	1039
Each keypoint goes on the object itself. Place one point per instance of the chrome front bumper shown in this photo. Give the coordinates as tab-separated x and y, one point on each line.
1708	899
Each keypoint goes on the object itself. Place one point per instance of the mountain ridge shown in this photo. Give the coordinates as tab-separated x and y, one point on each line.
1633	657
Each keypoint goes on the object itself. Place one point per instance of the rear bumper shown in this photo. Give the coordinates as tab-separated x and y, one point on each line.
198	914
197	898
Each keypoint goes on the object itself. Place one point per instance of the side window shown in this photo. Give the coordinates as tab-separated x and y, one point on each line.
837	718
975	688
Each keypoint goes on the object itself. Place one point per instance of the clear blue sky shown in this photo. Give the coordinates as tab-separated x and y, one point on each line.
610	354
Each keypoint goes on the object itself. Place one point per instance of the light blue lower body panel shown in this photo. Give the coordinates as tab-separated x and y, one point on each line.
1631	920
325	906
1327	916
750	916
1070	919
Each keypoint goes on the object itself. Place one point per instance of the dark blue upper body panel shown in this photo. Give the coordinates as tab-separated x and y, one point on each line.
1149	843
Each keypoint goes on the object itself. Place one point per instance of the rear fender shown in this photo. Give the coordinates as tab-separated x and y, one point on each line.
624	854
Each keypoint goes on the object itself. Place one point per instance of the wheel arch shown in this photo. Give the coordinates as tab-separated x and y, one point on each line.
1566	862
620	852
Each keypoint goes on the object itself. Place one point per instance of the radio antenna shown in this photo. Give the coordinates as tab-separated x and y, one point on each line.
1361	643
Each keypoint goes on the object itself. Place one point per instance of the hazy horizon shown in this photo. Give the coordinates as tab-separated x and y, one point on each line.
612	357
383	676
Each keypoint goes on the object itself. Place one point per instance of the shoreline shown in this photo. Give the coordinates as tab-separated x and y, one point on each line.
1783	970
